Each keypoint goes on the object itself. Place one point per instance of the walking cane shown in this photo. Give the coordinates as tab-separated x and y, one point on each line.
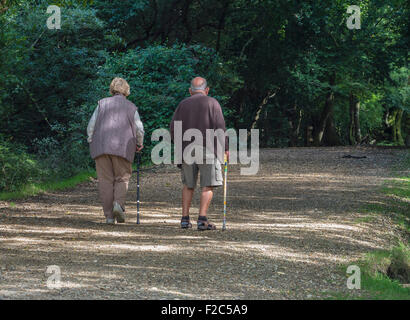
226	174
138	187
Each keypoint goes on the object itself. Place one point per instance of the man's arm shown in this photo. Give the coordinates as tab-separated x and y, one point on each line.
171	126
219	122
140	129
91	125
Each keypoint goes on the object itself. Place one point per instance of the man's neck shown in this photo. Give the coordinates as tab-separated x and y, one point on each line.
198	92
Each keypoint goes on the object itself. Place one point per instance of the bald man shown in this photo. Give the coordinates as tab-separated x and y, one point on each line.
200	112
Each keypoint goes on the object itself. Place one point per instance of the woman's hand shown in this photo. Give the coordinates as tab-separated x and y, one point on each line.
139	148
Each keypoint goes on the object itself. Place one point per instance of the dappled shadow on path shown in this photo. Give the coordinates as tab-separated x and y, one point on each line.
289	229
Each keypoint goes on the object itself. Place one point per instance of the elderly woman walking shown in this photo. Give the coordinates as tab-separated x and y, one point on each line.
115	133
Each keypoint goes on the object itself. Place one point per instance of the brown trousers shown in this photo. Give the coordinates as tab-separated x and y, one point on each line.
113	175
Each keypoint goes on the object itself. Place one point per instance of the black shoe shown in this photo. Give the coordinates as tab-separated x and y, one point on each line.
204	224
185	224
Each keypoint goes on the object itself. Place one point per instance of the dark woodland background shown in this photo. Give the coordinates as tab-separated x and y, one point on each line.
289	68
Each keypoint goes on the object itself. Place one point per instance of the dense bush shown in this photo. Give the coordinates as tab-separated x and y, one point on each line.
54	79
159	77
272	67
47	72
17	168
45	78
400	264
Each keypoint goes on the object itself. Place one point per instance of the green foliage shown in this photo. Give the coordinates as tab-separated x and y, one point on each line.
159	77
51	80
49	76
375	272
397	89
17	168
33	189
372	112
400	264
383	271
45	81
397	205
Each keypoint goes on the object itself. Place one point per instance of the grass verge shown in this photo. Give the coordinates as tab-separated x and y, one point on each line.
376	283
37	188
383	273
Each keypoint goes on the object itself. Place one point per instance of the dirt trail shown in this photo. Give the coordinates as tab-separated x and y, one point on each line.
289	229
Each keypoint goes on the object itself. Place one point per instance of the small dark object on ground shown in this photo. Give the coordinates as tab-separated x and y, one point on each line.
399	268
353	157
398	273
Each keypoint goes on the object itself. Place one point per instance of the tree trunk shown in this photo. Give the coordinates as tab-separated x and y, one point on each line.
266	131
331	137
407	129
393	117
294	120
352	139
323	119
326	114
357	133
399	117
260	108
221	24
3	6
309	136
355	136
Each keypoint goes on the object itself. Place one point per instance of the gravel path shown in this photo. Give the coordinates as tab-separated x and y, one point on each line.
289	229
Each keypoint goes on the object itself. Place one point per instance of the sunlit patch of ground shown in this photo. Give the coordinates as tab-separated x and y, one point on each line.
289	229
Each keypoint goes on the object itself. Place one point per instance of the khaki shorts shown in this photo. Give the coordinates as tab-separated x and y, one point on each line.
210	174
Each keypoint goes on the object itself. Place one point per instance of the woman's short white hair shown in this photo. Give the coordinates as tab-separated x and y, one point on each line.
119	86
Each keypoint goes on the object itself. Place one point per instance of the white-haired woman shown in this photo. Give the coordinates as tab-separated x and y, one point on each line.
115	133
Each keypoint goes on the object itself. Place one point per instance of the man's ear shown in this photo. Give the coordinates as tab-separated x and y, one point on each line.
190	91
207	90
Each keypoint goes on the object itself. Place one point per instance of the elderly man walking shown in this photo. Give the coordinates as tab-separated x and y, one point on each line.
115	133
200	112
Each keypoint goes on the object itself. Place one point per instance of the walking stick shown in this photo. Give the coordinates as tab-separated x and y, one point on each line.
226	174
138	187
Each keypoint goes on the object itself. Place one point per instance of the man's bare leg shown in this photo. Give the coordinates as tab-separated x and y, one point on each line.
206	198
187	194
